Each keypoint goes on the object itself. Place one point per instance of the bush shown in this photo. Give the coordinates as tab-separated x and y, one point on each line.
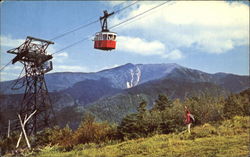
205	108
56	136
92	132
88	131
237	105
9	144
234	126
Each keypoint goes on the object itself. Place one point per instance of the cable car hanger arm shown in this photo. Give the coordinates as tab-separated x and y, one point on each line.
103	20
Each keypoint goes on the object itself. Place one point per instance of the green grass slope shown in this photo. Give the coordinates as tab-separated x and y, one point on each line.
229	138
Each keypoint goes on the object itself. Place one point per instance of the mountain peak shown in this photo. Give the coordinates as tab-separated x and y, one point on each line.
125	66
128	64
130	75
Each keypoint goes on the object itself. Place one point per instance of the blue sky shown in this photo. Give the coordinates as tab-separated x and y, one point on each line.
208	36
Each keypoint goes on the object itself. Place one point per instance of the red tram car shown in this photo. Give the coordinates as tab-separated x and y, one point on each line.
105	40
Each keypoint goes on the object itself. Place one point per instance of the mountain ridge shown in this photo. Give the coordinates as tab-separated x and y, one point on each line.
113	93
122	77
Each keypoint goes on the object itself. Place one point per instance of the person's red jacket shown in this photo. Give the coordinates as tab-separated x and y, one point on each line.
188	118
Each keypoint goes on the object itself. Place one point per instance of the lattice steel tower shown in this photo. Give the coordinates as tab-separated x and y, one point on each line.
32	54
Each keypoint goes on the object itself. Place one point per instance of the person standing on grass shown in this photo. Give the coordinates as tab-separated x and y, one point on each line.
189	119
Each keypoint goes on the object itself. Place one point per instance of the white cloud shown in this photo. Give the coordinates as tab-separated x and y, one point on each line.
108	67
14	67
140	46
211	26
115	3
60	57
63	54
69	68
146	48
174	55
57	57
4	76
51	49
12	72
8	41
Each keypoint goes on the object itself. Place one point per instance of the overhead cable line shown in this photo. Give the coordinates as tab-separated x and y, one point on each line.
115	6
114	26
5	65
138	15
135	19
13	84
20	77
117	11
88	24
73	44
76	29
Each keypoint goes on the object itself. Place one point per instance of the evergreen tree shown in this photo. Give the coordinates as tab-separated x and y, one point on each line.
142	108
88	118
135	125
128	129
142	123
162	103
161	109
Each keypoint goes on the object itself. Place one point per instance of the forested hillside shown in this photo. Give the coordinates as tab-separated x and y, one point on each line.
221	128
113	93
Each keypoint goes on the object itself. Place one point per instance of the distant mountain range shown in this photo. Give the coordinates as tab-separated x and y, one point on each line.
130	75
121	77
110	94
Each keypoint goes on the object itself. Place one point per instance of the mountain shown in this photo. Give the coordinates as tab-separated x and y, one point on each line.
231	82
114	108
88	91
112	93
130	75
122	77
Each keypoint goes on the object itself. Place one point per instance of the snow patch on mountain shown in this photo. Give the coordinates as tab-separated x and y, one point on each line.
135	77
